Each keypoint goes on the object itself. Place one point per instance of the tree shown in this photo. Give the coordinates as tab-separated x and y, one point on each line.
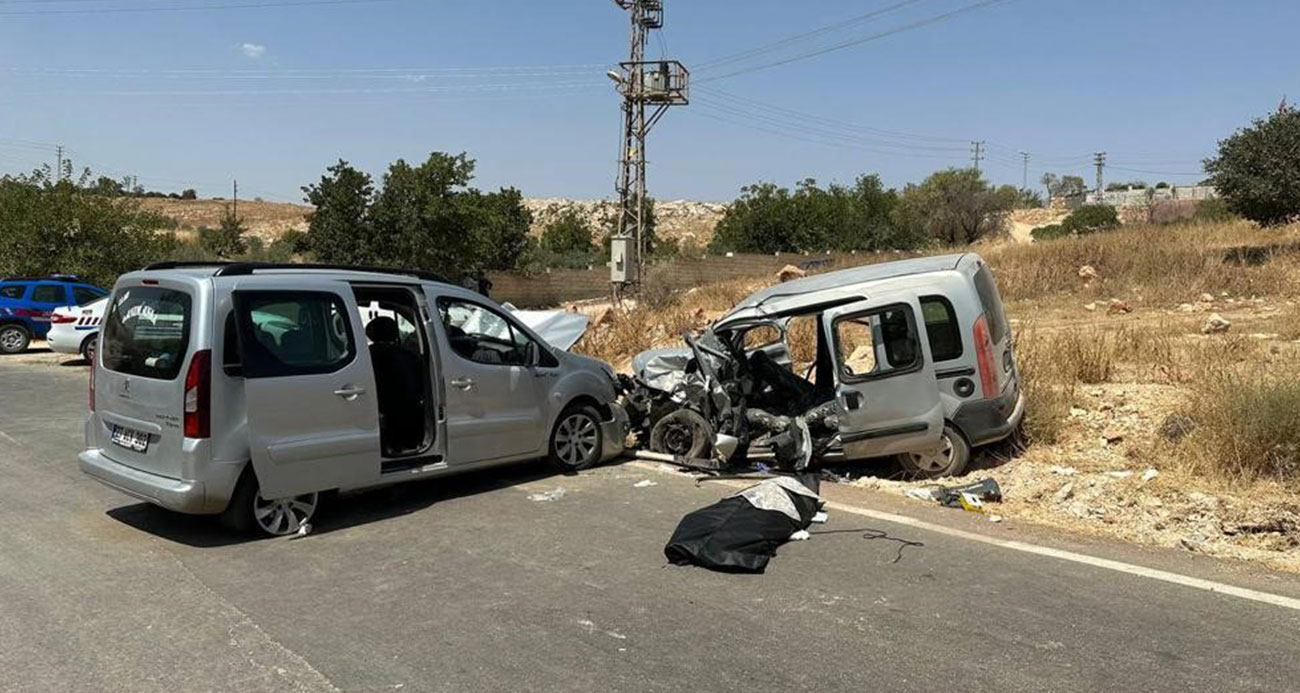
227	240
49	225
189	194
1028	199
568	232
767	218
424	217
1063	186
1257	170
954	206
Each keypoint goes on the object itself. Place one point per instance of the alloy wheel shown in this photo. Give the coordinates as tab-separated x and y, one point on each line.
936	461
576	438
284	515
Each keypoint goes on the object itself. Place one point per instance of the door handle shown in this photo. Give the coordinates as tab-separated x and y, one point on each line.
852	400
350	392
463	383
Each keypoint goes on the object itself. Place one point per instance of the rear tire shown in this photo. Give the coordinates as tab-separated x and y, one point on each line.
951	460
249	513
14	339
577	439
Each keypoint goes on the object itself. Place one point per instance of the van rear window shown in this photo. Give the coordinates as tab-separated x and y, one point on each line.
992	303
147	332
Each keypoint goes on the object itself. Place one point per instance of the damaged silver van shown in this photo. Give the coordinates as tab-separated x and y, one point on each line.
247	390
911	358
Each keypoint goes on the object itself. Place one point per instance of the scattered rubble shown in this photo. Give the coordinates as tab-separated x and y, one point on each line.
1118	307
1215	324
789	272
1087	273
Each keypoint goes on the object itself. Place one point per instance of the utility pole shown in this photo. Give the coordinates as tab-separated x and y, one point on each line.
1024	176
1099	160
58	163
651	86
234	210
977	153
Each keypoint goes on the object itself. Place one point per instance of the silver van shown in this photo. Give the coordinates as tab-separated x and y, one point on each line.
911	358
247	390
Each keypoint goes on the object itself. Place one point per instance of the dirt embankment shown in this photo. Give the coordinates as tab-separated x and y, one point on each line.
266	220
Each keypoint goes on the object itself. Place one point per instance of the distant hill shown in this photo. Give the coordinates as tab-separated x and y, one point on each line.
682	220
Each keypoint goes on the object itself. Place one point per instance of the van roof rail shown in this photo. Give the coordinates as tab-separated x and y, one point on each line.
183	264
235	269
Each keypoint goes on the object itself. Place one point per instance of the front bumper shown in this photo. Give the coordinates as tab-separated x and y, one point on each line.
614	432
173	494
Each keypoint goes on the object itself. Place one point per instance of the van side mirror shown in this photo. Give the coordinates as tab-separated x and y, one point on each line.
532	356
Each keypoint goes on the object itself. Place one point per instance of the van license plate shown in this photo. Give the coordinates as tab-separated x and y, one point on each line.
130	439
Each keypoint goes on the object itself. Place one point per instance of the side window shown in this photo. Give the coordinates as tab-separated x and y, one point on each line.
760	336
15	291
49	293
877	344
482	335
941	328
83	295
293	333
991	300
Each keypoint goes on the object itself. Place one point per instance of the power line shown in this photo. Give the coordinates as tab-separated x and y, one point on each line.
858	41
759	50
191	8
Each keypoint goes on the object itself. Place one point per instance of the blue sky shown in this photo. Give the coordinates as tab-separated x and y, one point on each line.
273	95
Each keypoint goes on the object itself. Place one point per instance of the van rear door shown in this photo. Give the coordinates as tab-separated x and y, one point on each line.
309	388
886	391
150	334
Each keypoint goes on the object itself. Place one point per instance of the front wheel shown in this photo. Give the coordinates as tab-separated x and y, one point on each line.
576	440
949	460
14	339
250	513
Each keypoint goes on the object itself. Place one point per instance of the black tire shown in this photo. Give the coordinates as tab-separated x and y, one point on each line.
576	439
88	349
14	339
242	513
951	462
682	432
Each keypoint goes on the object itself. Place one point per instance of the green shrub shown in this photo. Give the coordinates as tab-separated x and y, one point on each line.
1091	218
1049	232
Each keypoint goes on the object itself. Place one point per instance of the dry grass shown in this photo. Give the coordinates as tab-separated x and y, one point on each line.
1158	263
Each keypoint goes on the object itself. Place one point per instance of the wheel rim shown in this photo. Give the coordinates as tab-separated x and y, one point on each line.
575	439
935	461
11	339
679	438
283	515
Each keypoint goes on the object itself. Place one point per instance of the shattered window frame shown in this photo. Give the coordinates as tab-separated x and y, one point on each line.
918	358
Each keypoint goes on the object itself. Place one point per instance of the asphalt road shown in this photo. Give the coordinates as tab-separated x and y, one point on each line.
467	585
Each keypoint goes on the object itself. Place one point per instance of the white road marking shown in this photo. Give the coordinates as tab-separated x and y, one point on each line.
9	438
1026	547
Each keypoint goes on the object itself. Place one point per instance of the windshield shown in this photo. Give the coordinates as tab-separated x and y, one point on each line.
146	332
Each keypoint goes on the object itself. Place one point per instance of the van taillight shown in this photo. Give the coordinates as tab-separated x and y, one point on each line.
92	386
984	358
198	396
